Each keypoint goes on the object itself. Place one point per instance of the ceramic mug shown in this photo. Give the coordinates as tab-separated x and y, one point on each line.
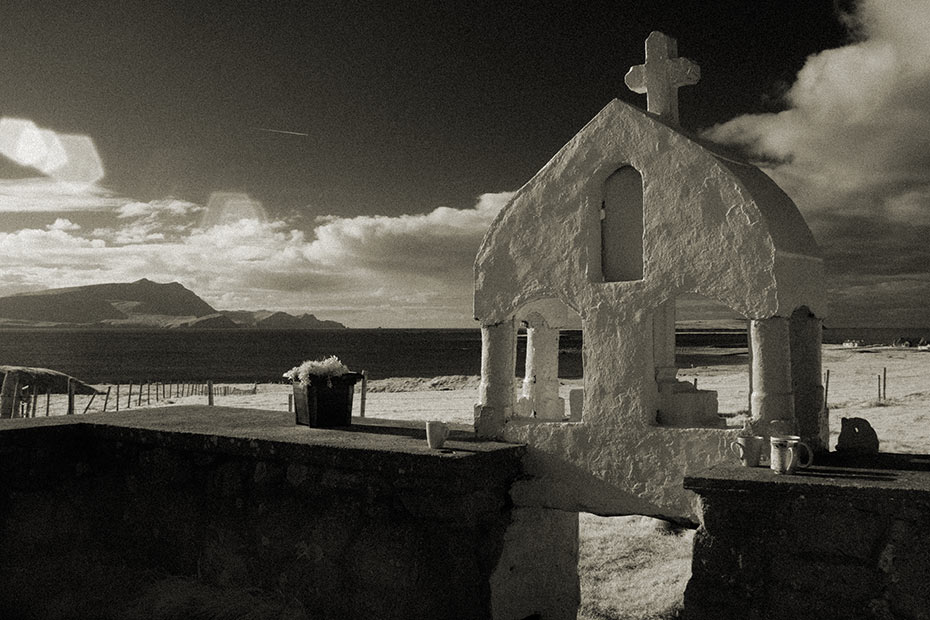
436	433
748	450
785	457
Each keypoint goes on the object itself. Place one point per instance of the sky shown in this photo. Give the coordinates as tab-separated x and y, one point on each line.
345	159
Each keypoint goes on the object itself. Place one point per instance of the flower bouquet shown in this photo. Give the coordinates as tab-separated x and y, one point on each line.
323	391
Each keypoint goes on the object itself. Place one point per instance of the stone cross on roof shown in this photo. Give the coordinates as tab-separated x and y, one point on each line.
661	76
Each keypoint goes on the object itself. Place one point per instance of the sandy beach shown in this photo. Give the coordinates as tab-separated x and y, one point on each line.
854	379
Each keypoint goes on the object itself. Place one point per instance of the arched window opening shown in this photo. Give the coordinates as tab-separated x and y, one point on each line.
622	226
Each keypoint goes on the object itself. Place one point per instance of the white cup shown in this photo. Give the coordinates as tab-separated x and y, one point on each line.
785	457
748	450
436	433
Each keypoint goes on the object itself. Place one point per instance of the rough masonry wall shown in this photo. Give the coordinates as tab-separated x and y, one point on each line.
334	534
850	543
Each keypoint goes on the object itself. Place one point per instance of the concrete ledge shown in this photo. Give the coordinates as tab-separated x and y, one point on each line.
868	477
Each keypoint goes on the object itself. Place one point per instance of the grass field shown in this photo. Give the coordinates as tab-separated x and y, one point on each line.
632	568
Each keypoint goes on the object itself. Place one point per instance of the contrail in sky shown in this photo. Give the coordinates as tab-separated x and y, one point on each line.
290	133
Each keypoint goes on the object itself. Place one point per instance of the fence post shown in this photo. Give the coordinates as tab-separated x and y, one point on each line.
117	397
14	413
106	399
826	390
210	392
92	397
48	400
361	400
70	396
129	398
884	383
7	395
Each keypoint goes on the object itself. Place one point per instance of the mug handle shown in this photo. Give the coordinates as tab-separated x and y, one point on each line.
810	455
737	449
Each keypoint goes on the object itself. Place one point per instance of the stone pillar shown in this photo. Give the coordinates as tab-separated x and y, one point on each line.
663	350
495	393
771	399
809	411
541	378
537	572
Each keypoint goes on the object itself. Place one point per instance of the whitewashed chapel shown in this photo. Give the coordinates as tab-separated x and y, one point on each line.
628	215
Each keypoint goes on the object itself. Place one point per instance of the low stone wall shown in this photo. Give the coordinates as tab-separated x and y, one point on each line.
845	539
363	522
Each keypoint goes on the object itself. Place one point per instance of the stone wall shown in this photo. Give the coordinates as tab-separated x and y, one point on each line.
92	514
838	541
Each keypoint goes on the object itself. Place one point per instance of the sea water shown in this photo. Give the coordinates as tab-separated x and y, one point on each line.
239	355
247	355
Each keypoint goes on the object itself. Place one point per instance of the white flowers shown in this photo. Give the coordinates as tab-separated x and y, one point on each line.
329	367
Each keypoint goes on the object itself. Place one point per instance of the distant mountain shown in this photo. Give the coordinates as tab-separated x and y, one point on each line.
268	319
142	303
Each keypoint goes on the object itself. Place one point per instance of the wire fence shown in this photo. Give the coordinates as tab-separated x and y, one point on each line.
114	397
31	403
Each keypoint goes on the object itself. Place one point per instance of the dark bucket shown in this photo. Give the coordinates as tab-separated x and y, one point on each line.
326	402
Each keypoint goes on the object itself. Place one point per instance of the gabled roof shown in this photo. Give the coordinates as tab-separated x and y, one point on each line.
712	224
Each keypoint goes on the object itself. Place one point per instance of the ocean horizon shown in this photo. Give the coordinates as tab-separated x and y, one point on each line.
259	355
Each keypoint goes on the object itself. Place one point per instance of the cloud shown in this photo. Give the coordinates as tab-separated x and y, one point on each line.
158	208
40	194
411	270
895	301
42	245
63	224
858	117
852	147
434	244
154	221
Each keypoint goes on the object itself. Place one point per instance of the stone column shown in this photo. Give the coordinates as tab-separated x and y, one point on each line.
663	349
541	378
495	393
809	411
537	572
771	399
